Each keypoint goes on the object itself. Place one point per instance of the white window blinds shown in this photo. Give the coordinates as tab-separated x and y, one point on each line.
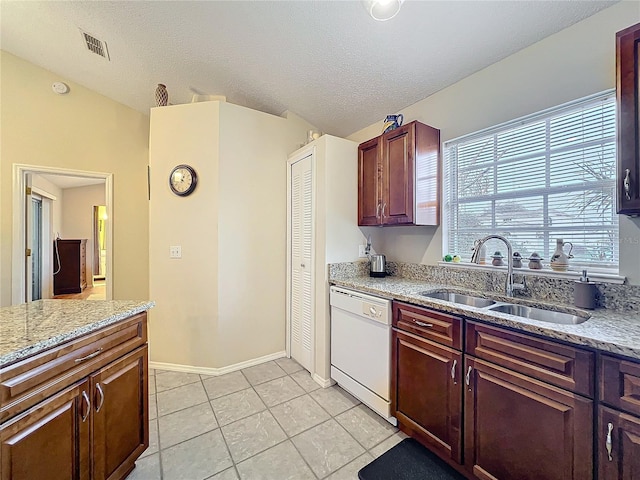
546	176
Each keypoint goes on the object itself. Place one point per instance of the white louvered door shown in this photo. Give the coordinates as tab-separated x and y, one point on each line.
301	267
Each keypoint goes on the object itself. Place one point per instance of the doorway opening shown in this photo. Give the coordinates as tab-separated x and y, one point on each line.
51	207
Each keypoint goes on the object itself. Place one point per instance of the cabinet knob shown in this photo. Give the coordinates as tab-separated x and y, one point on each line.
608	443
468	377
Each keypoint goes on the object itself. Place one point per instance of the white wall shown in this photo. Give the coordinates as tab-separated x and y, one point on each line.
571	64
183	324
223	302
252	231
81	130
77	218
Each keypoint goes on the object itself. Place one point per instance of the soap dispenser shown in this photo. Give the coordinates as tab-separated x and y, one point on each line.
585	292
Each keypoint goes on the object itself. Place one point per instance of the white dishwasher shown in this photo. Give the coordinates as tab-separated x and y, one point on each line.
361	347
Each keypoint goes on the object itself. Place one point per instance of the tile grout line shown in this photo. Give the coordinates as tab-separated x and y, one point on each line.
269	410
224	439
290	438
157	419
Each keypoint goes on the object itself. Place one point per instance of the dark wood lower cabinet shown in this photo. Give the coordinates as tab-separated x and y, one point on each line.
618	445
120	413
49	441
518	428
426	392
93	422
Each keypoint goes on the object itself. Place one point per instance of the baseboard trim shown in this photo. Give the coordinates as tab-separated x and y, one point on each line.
323	382
216	372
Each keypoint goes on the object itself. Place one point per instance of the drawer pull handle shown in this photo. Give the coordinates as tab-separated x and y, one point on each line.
423	324
88	403
453	372
609	443
627	184
468	377
99	405
88	357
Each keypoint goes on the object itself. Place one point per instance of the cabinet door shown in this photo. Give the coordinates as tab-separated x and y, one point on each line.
619	433
49	441
302	269
120	415
518	428
426	391
369	182
398	150
628	91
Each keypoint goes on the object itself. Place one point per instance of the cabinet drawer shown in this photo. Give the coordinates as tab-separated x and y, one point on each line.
25	383
561	365
429	324
620	384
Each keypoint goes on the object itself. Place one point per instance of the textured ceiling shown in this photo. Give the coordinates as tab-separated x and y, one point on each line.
328	62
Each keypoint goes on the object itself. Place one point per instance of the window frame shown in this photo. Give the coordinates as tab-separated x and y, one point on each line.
451	197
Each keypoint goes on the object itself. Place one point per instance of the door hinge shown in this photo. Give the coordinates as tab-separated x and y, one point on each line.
28	252
28	190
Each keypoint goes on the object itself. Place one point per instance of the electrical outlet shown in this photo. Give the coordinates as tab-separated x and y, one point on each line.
362	251
175	251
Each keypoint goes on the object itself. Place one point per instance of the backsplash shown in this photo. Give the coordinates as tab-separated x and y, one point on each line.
545	289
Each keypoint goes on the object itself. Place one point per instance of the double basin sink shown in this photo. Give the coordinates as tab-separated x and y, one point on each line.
533	313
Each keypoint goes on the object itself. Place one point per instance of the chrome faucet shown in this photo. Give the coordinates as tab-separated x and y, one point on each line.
510	287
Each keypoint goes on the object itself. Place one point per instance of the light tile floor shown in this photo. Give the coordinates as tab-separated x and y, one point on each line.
267	422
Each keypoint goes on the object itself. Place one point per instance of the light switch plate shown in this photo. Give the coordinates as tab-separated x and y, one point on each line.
175	251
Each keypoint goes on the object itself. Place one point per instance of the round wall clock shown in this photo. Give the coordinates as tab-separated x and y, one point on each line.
183	180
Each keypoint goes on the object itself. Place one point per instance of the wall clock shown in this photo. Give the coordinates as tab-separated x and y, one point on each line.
183	180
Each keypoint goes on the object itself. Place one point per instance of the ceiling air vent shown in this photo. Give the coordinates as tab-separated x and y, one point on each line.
95	45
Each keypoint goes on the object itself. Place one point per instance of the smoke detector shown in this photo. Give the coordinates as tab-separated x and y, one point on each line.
95	45
60	88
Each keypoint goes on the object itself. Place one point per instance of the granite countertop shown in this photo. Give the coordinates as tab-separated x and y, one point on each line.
31	328
607	330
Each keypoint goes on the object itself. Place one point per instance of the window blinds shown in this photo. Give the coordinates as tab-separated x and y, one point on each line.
546	176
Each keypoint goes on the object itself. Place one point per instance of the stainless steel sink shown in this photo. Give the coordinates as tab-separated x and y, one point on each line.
459	298
538	314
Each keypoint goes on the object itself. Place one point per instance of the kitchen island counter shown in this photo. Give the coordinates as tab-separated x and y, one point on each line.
614	331
31	328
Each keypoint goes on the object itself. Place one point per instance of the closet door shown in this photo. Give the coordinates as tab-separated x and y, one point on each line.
301	266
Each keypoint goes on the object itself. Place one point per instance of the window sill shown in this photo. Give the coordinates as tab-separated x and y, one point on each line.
545	272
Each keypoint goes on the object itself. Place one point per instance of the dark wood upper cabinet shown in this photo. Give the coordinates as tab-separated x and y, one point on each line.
369	182
399	177
628	97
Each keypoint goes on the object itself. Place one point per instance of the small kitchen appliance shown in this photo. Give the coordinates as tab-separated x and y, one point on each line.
377	265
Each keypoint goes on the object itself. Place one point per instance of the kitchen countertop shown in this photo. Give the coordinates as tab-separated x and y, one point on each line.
31	328
607	330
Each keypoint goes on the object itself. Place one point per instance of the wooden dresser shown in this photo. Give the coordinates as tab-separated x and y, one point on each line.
72	277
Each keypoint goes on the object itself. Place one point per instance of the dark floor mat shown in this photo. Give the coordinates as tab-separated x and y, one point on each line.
408	461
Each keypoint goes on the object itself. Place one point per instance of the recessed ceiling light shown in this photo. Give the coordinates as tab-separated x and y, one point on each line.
383	10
